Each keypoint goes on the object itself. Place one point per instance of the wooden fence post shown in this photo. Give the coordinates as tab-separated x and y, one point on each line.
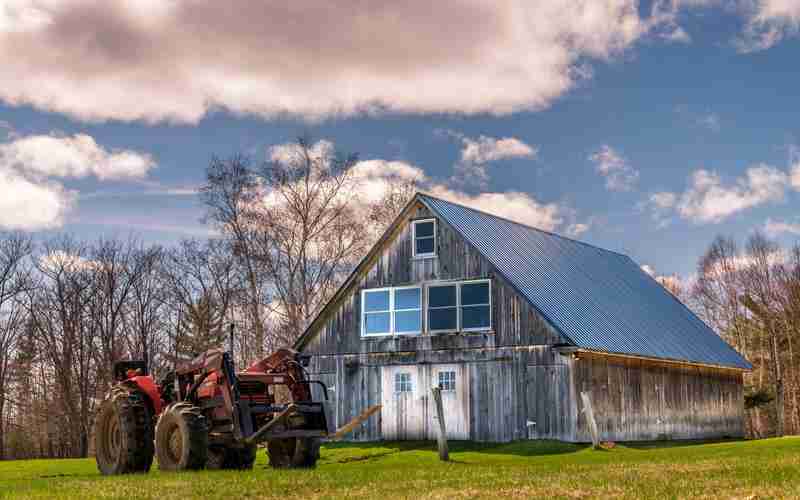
587	410
441	437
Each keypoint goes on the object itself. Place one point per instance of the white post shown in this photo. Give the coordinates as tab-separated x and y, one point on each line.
587	410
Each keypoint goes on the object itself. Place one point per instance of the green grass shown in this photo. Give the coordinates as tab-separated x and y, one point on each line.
735	469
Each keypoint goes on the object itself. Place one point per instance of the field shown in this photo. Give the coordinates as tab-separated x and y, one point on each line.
741	469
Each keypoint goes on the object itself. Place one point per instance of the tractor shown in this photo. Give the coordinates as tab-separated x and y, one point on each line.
203	414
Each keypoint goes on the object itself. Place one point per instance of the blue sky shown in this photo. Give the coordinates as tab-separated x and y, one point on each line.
643	128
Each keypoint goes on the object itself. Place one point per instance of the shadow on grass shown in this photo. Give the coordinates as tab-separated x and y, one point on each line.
517	448
654	445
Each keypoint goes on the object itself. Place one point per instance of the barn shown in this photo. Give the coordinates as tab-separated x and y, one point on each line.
514	324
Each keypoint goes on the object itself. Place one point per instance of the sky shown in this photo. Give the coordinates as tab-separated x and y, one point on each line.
642	127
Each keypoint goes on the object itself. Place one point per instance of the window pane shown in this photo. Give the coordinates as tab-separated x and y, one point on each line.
407	298
376	301
376	323
423	229
442	319
441	296
402	382
475	317
424	245
407	321
474	293
447	381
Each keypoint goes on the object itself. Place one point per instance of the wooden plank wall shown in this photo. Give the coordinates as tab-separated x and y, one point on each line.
635	399
514	321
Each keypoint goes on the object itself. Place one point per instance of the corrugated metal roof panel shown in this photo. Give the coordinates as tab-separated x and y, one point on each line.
601	300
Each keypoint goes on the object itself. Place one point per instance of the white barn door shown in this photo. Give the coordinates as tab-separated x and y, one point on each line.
403	397
454	382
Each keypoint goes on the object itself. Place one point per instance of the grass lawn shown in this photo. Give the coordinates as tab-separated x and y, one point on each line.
743	469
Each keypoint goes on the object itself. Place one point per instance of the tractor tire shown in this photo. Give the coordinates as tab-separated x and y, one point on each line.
123	432
181	438
293	453
220	458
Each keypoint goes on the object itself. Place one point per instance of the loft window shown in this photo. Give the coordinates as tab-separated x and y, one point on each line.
464	306
442	308
424	235
377	317
476	310
447	380
388	311
402	382
407	310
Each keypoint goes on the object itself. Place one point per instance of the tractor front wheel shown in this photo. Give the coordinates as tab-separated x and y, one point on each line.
181	438
291	453
123	432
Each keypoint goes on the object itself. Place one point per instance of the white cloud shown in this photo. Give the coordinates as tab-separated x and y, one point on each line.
26	205
75	156
768	22
376	175
178	60
794	173
485	149
31	199
478	152
708	199
775	227
620	176
576	229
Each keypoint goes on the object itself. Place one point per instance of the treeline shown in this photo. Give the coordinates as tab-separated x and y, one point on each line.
750	294
285	233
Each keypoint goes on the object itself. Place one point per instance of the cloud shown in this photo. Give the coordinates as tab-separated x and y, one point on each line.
485	149
768	22
25	204
709	200
794	170
75	156
179	60
576	229
775	227
620	176
31	198
477	153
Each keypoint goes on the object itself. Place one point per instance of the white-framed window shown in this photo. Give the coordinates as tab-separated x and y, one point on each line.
390	311
443	308
376	307
402	382
459	306
423	233
475	302
447	380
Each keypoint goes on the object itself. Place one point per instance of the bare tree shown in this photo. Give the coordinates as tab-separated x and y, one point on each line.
231	188
14	282
58	308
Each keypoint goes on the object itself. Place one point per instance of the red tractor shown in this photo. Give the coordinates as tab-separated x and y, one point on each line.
205	415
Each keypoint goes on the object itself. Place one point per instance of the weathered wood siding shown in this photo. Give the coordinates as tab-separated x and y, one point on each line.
636	399
514	321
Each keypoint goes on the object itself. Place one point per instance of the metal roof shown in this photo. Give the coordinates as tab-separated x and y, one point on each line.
599	299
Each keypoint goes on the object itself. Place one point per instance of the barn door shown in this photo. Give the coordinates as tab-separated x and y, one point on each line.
404	403
453	381
547	400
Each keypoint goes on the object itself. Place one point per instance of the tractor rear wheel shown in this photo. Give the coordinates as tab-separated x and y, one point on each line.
292	453
181	438
123	432
231	458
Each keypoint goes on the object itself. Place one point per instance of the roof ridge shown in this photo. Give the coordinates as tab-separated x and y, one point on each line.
527	226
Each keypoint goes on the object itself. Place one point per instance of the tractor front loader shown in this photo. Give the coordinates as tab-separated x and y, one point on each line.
205	415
